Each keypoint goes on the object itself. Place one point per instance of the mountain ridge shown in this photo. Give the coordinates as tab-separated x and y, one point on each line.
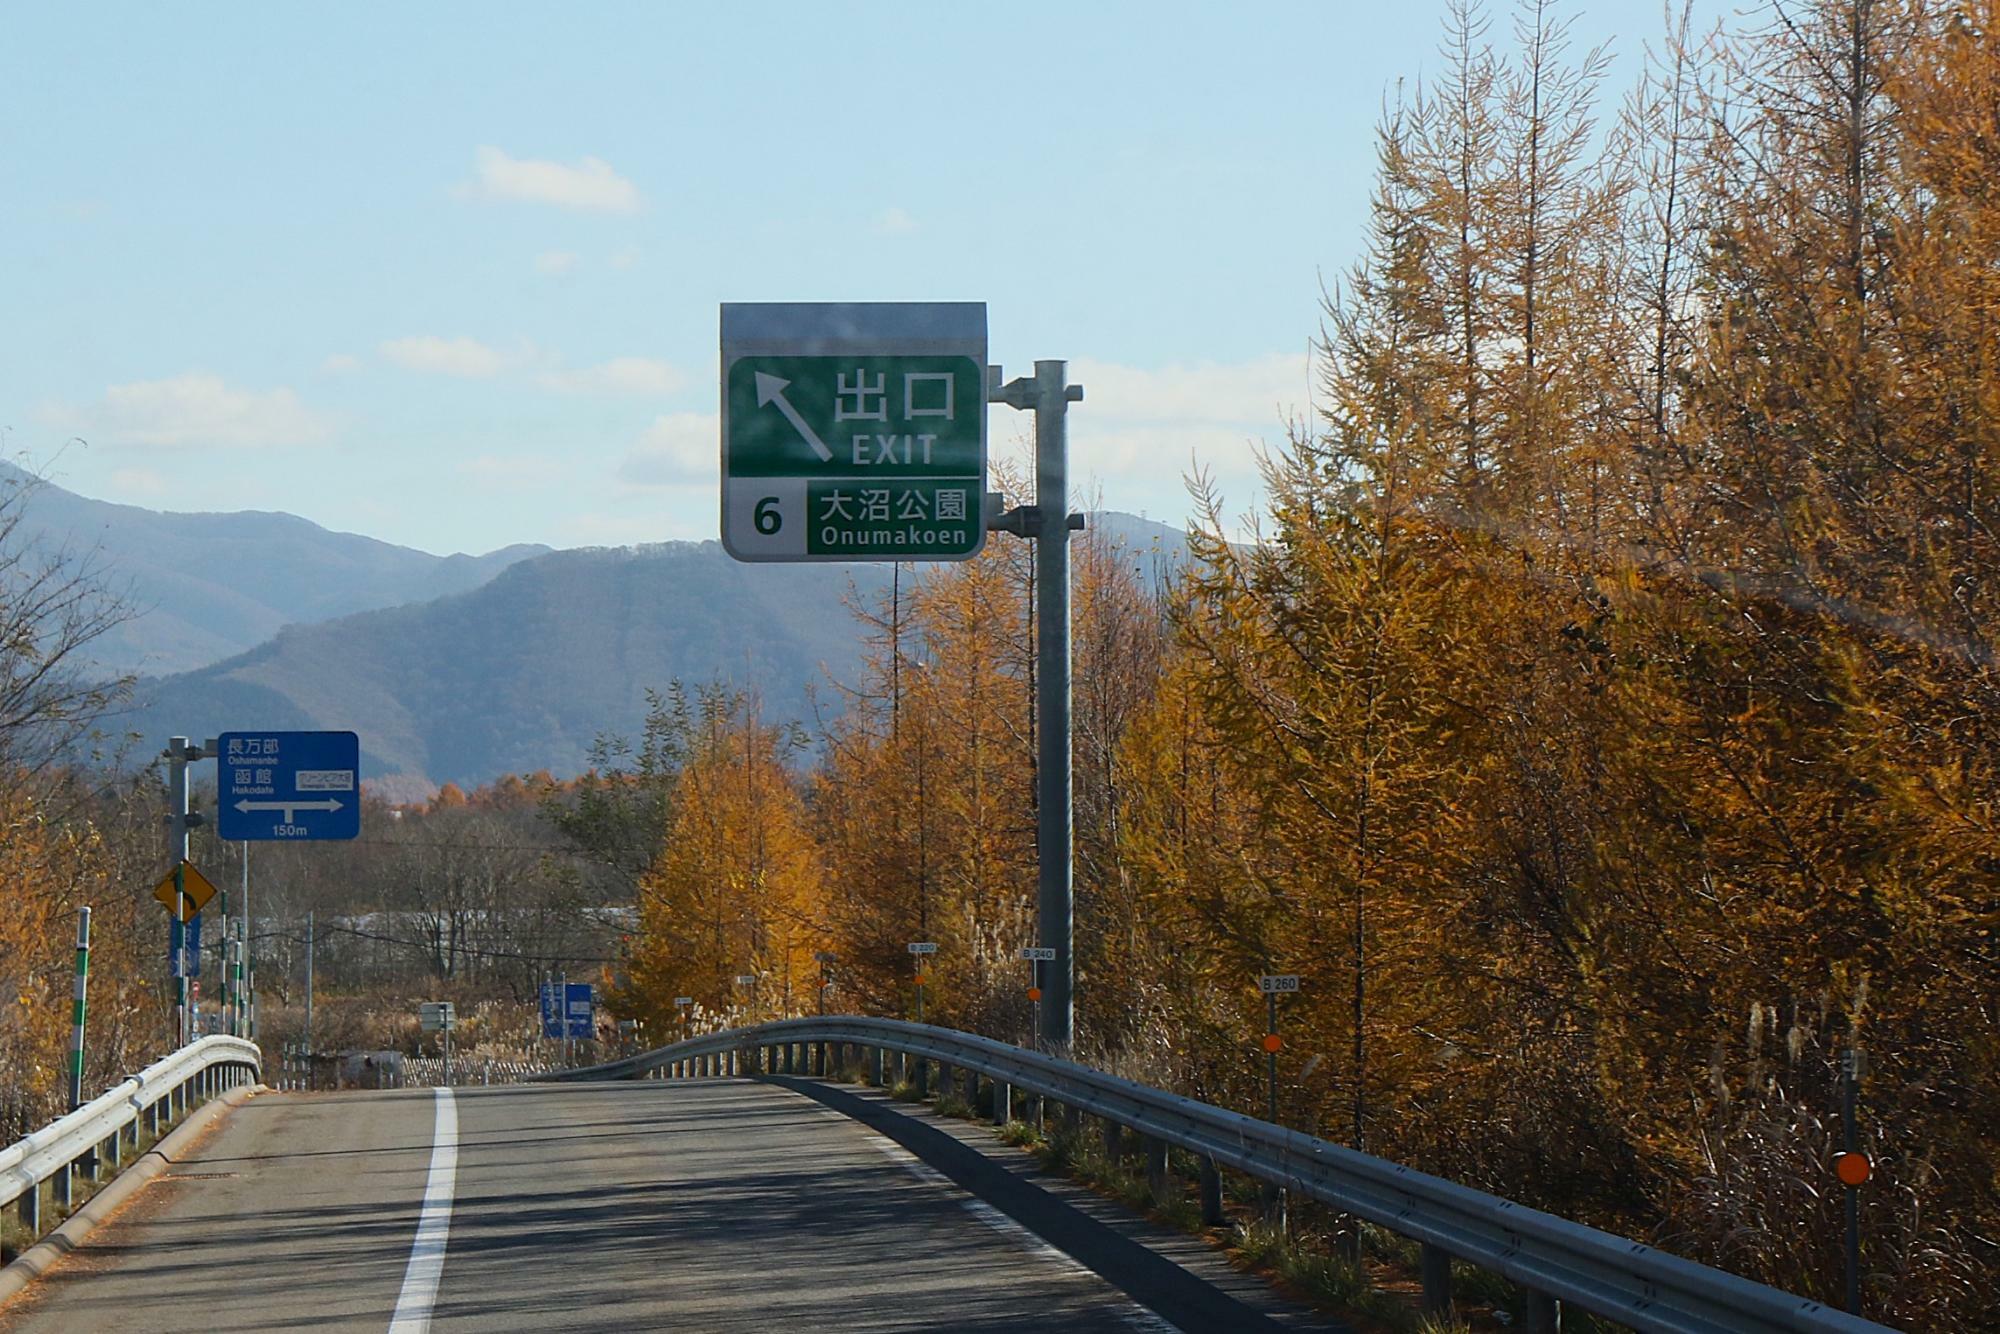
206	585
526	671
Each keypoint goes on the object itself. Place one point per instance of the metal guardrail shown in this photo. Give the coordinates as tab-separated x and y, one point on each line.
100	1131
1551	1259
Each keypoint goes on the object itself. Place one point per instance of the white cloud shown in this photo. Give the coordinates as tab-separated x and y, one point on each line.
620	375
556	263
591	184
1262	391
340	363
1139	432
467	358
625	258
192	411
678	449
895	222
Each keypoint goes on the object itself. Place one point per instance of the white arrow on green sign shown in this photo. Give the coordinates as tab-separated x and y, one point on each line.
854	431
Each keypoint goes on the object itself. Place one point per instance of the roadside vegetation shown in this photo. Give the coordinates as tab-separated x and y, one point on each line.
1598	716
1593	719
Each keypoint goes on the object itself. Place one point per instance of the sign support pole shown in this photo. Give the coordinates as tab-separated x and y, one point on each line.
244	1005
1050	523
76	1022
1053	833
177	851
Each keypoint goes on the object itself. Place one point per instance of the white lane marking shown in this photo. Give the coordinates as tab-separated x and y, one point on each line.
1138	1316
426	1267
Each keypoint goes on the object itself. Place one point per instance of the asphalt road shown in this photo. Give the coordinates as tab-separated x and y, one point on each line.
703	1205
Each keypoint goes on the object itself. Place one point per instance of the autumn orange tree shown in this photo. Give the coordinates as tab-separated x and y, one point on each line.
737	889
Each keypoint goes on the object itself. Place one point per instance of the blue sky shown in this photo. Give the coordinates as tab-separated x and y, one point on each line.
448	274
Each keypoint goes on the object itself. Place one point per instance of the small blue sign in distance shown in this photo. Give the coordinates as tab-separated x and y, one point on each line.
581	1005
288	785
184	947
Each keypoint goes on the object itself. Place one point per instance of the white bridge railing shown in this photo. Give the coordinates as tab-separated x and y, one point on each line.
1552	1260
97	1134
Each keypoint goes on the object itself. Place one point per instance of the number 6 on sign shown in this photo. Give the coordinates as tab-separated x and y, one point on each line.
767	515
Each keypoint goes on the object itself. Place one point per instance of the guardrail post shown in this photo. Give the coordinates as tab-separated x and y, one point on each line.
1435	1263
1211	1193
902	1067
970	1079
1035	1110
60	1186
1543	1314
1156	1169
117	1154
1003	1102
1114	1142
923	1077
31	1210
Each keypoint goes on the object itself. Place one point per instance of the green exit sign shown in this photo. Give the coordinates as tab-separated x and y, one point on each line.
853	431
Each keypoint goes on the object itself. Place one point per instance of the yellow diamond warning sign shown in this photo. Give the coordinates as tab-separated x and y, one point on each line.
194	886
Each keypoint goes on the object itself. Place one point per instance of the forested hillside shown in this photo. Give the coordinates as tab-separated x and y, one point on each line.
524	672
1601	726
203	587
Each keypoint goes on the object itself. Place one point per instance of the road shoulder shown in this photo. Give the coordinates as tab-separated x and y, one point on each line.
1181	1277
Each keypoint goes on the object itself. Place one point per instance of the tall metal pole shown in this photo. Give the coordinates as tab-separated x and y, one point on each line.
1054	842
177	851
309	998
76	1021
1271	1051
243	973
1850	1140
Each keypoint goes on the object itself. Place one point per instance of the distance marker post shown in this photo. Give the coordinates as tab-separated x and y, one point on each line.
1274	985
1852	1167
1036	955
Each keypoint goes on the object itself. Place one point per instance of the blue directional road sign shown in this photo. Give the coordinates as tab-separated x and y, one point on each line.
288	785
184	947
582	1011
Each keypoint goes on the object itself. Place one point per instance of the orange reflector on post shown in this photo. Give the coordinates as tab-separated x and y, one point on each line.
920	979
1851	1168
1272	1042
1034	993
